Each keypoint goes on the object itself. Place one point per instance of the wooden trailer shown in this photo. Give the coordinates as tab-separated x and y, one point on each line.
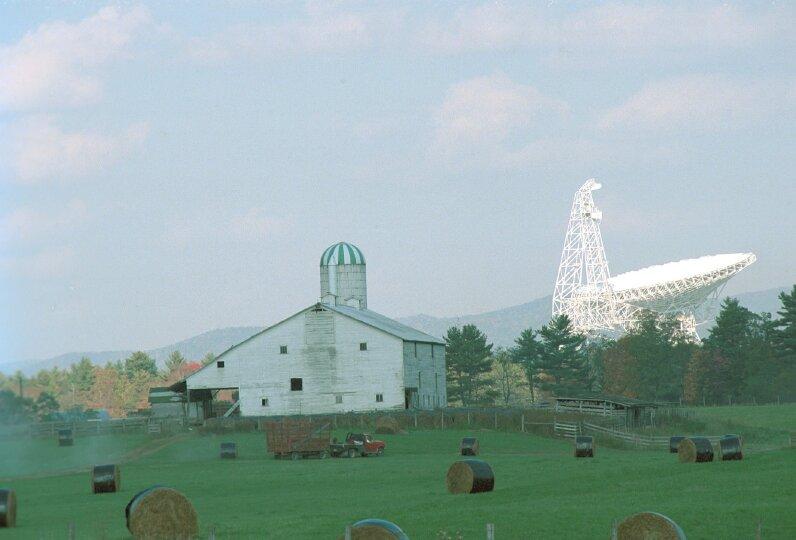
298	438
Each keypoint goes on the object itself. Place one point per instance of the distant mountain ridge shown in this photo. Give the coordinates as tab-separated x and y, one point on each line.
193	348
501	326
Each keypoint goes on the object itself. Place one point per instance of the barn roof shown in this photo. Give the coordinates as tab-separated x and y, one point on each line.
365	316
385	324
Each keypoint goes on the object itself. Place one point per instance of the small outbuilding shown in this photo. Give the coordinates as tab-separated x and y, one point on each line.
634	411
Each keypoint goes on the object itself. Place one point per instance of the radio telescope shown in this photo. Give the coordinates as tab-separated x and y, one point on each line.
596	302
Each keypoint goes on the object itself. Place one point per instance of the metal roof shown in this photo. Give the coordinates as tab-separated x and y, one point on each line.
342	253
385	324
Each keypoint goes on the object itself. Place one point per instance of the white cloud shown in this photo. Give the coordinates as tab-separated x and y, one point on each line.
626	29
48	263
28	224
43	151
57	64
255	224
483	112
319	30
699	102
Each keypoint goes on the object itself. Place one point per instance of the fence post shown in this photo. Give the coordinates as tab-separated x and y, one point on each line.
442	417
759	531
212	535
71	531
415	420
495	419
614	528
522	423
468	418
490	531
348	532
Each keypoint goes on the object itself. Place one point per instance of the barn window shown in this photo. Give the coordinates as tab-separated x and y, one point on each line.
220	363
283	349
363	346
379	398
264	402
296	385
338	398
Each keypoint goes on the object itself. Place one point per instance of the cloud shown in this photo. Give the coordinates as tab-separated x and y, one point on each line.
699	102
318	30
27	224
58	63
43	151
255	224
485	111
52	262
625	29
250	225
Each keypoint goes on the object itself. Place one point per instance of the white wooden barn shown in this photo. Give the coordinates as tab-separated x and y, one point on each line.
333	356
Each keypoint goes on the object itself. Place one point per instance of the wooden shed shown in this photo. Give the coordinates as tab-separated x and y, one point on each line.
635	412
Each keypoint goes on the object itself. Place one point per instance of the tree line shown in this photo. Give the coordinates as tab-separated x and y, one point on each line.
745	358
120	388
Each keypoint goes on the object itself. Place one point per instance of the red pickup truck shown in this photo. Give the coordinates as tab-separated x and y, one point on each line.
366	444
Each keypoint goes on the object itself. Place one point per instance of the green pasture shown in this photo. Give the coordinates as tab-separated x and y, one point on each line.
541	490
773	417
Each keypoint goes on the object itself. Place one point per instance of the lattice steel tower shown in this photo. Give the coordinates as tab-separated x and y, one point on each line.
582	291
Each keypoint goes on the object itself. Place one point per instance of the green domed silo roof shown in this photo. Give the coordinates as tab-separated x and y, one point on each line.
342	253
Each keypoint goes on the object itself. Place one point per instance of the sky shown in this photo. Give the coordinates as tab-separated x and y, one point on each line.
167	168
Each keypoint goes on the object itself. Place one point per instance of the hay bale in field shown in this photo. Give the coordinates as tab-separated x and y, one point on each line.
695	450
8	508
106	479
730	448
376	529
674	441
387	425
584	446
161	512
229	450
469	446
649	526
65	437
470	476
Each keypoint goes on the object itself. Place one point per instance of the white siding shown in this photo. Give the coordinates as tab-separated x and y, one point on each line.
424	370
324	351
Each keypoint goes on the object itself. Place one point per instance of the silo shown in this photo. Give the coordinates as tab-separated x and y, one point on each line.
343	280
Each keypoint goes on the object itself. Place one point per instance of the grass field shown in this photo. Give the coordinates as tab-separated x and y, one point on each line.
541	490
774	417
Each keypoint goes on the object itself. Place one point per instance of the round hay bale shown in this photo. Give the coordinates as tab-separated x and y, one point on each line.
695	450
8	508
649	526
65	437
229	450
161	512
376	529
387	425
674	441
584	446
730	448
470	476
469	446
106	479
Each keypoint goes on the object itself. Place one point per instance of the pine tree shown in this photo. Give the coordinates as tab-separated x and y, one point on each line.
785	335
731	339
469	361
139	362
562	358
526	354
175	362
